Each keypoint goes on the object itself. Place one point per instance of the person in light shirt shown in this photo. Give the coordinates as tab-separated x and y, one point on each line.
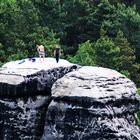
41	52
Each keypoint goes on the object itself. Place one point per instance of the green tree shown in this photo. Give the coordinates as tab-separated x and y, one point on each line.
105	12
128	20
127	57
106	51
85	54
123	18
20	31
2	54
71	21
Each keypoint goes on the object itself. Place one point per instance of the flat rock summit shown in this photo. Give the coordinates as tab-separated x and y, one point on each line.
29	76
65	101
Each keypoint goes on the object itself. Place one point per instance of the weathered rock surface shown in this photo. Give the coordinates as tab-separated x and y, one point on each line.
23	118
92	103
29	78
25	92
88	103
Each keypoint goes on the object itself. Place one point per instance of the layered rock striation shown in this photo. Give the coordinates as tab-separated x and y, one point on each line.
25	93
63	101
92	103
24	77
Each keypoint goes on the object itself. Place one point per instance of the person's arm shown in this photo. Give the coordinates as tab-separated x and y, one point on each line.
38	49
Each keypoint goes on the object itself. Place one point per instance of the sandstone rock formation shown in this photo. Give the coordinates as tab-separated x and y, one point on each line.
25	92
62	101
29	77
92	103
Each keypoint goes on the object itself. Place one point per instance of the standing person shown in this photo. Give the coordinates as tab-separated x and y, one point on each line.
41	51
57	52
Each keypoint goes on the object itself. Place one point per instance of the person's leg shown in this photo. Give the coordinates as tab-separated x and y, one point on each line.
43	56
57	58
39	57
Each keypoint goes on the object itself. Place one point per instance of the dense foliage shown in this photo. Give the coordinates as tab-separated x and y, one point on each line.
99	32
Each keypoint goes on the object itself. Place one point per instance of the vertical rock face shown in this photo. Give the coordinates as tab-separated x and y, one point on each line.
25	93
92	103
23	118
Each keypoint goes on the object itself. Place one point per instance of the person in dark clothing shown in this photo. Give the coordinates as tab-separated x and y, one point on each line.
57	53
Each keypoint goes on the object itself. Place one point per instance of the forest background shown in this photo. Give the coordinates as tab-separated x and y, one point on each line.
102	33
